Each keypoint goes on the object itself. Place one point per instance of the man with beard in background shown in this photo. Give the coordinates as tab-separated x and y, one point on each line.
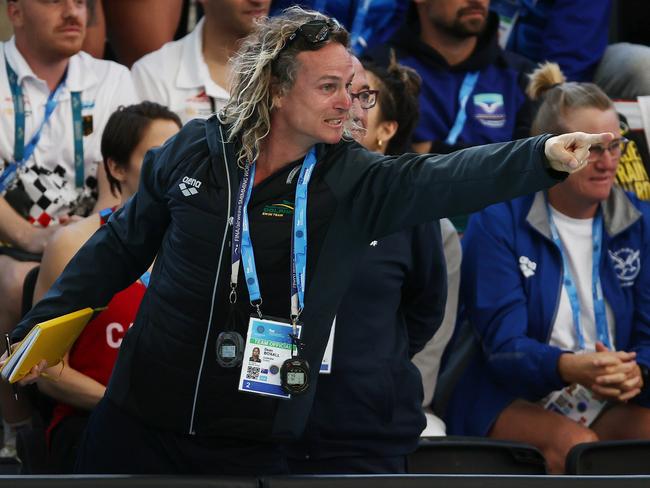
473	92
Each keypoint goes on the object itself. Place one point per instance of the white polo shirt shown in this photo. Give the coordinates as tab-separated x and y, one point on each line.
177	76
45	186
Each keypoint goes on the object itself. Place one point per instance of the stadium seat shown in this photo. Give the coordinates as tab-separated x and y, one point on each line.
471	455
609	458
454	481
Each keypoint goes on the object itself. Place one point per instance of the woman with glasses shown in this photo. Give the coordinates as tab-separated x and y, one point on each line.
558	290
261	212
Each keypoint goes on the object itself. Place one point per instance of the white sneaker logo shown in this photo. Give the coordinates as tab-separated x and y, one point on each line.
189	186
527	266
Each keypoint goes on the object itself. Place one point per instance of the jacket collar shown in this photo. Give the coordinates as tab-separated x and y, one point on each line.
486	52
618	213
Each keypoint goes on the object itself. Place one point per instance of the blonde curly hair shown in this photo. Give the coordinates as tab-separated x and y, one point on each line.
265	65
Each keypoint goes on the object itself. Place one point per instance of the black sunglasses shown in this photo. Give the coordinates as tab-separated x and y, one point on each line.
314	31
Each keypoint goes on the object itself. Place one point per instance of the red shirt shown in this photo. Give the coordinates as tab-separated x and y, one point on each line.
95	351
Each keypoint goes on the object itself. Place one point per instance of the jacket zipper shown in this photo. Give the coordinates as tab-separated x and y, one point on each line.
214	291
558	296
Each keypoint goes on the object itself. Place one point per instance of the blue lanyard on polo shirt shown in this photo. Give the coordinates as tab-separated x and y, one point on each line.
22	152
466	89
600	316
242	246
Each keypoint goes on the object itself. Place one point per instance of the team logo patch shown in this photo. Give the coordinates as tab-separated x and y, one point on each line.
278	210
527	266
627	264
489	109
189	186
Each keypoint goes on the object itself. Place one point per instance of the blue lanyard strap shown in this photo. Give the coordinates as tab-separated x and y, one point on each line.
22	152
466	89
78	134
600	315
299	237
242	246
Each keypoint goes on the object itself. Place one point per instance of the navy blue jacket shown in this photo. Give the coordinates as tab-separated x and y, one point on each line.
166	373
371	403
498	108
572	33
513	312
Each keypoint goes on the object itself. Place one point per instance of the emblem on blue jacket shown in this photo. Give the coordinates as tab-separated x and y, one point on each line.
489	109
627	264
527	266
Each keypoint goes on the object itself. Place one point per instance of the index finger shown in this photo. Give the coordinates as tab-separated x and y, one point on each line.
602	138
606	360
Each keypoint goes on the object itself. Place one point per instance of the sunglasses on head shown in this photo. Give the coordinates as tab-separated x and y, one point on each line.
314	31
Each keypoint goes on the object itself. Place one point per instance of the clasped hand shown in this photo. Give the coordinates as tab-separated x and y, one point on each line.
612	375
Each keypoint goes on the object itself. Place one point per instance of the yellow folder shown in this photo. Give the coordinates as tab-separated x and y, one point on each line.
49	340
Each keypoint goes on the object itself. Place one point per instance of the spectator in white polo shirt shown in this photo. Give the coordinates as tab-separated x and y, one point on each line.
55	103
190	76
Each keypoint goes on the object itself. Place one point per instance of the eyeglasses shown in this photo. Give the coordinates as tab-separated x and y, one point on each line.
314	31
615	148
367	98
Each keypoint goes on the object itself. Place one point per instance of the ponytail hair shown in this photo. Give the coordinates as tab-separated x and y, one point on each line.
548	85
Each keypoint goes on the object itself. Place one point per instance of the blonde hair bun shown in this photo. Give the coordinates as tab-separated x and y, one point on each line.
546	76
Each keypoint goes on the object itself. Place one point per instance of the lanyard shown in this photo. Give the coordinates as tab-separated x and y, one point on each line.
466	89
596	288
242	246
22	152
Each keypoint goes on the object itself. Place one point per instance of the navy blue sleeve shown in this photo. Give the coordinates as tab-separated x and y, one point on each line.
390	193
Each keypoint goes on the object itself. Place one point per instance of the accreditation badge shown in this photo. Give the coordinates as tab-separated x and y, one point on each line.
268	346
576	402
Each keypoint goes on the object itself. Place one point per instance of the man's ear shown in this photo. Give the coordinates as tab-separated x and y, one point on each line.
277	94
15	13
117	171
386	130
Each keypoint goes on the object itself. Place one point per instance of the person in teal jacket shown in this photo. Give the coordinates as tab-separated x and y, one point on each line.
558	291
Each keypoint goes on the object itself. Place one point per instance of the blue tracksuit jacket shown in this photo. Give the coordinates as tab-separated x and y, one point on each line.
513	315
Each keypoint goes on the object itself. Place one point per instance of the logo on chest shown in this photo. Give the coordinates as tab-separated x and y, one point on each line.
278	210
189	186
527	266
627	264
489	110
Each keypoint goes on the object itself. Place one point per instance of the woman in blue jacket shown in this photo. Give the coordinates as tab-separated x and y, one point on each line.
559	296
